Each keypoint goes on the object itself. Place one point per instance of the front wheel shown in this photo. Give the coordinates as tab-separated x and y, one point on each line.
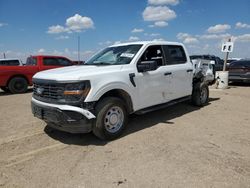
200	94
111	118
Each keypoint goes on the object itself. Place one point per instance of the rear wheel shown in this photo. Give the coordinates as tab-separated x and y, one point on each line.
6	89
111	118
200	94
18	85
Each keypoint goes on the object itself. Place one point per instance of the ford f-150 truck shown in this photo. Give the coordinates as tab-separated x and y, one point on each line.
120	80
16	79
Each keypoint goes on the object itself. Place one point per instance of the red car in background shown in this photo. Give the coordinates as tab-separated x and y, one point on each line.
239	71
16	79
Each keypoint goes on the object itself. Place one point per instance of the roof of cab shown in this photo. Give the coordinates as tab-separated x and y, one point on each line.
148	43
9	59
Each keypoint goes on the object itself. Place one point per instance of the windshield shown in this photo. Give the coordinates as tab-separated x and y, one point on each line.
117	55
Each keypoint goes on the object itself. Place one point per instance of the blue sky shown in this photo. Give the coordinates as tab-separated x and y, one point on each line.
52	27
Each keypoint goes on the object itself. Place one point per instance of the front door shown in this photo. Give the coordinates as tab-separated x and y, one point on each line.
153	85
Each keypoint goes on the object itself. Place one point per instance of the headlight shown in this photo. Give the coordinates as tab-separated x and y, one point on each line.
75	92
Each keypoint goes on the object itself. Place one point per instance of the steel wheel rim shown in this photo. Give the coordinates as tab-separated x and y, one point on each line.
18	85
203	96
113	119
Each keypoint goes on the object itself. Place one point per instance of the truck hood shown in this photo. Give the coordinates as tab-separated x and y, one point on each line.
77	72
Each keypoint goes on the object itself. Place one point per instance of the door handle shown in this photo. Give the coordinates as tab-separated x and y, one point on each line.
190	70
167	73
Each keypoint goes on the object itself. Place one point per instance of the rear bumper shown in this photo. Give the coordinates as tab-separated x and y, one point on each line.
63	117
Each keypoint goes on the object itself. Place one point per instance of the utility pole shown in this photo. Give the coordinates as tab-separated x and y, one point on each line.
78	49
226	58
4	56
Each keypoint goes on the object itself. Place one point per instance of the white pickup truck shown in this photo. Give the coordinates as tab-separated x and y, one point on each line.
122	79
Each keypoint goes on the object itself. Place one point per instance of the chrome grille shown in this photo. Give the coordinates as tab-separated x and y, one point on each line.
48	92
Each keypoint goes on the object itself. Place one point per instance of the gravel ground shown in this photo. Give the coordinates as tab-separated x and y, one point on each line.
180	146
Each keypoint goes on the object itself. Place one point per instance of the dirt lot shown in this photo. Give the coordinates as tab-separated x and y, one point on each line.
181	146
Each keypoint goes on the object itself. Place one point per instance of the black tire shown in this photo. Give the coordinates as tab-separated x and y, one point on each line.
6	89
107	110
200	94
18	85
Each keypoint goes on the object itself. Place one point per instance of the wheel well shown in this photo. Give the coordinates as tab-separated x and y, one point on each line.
16	76
121	94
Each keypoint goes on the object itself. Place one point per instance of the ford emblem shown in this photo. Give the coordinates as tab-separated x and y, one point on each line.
39	90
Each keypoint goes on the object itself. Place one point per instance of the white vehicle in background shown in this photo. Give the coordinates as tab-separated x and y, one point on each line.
10	62
122	79
204	67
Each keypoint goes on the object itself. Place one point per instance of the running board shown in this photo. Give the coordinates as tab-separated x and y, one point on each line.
161	106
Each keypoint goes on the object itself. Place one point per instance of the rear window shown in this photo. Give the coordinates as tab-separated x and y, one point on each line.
31	61
9	62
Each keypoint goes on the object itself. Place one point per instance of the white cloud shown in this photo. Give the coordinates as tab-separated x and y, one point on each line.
243	38
154	34
187	38
220	28
62	37
117	42
57	29
163	2
240	25
105	43
158	13
76	23
190	40
133	38
160	24
41	51
135	30
159	39
182	36
215	36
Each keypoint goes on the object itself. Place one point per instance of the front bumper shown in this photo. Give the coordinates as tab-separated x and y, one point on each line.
63	117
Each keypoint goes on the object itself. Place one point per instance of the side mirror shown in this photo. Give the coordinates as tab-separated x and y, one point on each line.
145	66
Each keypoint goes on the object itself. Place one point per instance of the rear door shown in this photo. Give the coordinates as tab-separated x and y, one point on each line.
180	70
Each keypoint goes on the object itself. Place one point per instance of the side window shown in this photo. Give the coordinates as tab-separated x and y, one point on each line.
10	62
176	54
237	64
64	62
50	61
13	62
153	53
